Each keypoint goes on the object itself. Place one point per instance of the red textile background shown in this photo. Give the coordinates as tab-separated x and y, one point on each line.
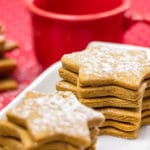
16	20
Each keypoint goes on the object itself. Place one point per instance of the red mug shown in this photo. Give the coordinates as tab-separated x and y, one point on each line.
64	26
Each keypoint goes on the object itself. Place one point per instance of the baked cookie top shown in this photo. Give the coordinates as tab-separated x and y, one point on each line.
56	117
99	65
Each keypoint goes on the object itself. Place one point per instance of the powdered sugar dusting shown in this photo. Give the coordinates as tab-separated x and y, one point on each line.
105	63
57	114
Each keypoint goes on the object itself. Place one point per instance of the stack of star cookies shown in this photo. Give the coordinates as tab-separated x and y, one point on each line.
50	122
112	81
7	65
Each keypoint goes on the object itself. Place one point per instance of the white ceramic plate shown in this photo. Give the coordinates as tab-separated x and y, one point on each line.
46	83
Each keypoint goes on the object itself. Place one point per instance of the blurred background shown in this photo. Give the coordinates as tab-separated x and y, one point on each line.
16	20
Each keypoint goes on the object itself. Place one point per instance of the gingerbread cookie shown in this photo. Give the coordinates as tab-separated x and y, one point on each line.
66	86
131	116
111	90
119	125
147	92
145	121
68	75
7	84
146	103
101	91
113	81
97	102
13	132
53	120
115	67
119	133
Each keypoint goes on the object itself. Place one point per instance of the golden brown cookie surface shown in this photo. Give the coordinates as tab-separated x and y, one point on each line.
18	133
111	90
119	133
122	115
7	84
68	75
102	66
146	103
7	66
66	86
145	121
147	92
120	125
56	117
7	46
99	102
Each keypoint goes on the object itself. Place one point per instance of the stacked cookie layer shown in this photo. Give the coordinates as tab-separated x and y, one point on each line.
7	65
146	106
112	81
53	122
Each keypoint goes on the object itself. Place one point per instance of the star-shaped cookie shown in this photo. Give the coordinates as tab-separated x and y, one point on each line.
99	65
56	117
